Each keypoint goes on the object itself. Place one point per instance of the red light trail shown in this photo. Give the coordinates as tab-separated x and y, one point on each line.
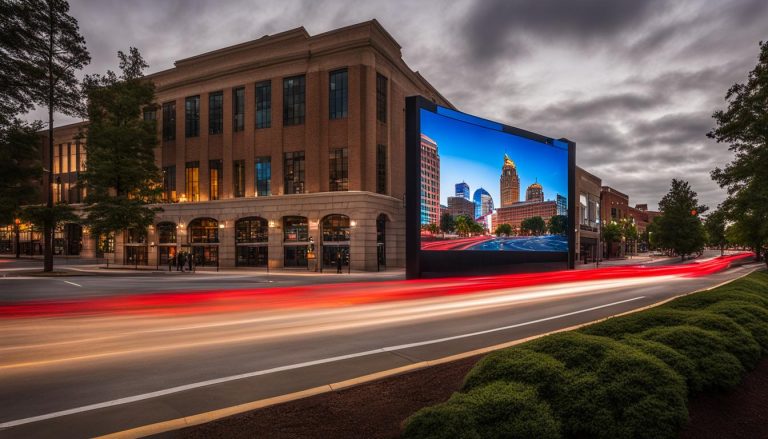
338	295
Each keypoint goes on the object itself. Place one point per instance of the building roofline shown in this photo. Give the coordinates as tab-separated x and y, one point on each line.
69	125
613	191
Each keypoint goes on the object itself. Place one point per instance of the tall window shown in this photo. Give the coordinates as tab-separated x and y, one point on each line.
192	181
293	100
238	178
216	112
238	108
169	183
264	104
263	176
337	94
381	169
339	170
169	121
293	169
381	98
192	116
215	176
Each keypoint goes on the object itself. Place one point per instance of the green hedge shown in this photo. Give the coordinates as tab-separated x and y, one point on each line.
497	410
626	377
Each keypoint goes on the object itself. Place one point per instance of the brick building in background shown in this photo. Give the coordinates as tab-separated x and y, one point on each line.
272	145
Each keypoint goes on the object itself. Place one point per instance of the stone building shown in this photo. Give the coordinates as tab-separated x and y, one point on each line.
588	188
273	151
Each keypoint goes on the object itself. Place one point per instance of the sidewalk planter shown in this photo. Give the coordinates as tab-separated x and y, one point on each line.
626	377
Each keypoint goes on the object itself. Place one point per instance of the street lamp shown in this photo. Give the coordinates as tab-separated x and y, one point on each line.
16	224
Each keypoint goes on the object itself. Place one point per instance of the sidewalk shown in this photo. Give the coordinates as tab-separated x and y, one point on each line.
639	259
229	271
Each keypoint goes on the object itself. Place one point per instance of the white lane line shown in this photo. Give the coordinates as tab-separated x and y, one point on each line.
205	383
72	283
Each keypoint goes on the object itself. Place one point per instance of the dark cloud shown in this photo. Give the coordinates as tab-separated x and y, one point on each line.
500	26
633	83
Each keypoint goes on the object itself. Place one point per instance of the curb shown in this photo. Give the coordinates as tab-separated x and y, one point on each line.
201	418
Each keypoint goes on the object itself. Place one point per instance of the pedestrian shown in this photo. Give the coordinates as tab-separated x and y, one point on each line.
171	262
191	262
338	262
180	266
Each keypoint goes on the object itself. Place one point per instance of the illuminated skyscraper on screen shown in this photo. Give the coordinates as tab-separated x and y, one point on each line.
509	183
430	181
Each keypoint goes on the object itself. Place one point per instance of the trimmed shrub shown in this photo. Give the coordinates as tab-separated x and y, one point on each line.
618	327
497	410
751	317
546	374
729	292
737	339
678	362
715	367
616	391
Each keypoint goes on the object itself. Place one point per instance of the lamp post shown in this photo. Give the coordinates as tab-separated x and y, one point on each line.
16	224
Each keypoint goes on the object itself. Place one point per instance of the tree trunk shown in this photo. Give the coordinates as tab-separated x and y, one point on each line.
47	224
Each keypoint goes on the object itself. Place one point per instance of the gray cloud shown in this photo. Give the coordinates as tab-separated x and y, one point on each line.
632	82
499	26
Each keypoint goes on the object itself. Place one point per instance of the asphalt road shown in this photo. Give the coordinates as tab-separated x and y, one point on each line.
83	376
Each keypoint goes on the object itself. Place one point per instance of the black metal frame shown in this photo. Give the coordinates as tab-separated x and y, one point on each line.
425	263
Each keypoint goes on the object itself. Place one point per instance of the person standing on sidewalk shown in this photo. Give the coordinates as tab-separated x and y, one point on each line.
180	262
338	262
191	262
171	262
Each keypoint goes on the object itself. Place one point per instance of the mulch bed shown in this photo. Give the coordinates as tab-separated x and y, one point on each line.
739	413
376	410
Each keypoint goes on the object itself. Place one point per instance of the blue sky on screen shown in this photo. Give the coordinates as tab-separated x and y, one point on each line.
472	150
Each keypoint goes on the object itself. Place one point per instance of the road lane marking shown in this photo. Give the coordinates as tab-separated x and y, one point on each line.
172	390
72	283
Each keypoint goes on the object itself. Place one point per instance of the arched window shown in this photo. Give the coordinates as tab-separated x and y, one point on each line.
166	233
203	230
295	229
335	228
251	230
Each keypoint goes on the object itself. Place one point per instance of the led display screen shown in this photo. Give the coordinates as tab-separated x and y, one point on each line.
485	188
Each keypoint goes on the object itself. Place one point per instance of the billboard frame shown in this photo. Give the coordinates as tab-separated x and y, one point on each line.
424	263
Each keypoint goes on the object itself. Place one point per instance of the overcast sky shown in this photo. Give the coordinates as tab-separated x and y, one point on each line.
632	82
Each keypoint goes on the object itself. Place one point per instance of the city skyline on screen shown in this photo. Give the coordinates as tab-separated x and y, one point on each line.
472	150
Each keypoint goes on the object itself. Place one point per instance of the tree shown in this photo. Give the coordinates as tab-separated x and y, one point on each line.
679	226
612	232
744	127
715	225
557	225
44	50
629	232
20	168
121	176
504	229
533	226
464	225
447	224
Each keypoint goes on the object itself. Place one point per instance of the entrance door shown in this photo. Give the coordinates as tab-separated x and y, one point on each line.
205	255
295	256
330	254
252	256
136	255
165	253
